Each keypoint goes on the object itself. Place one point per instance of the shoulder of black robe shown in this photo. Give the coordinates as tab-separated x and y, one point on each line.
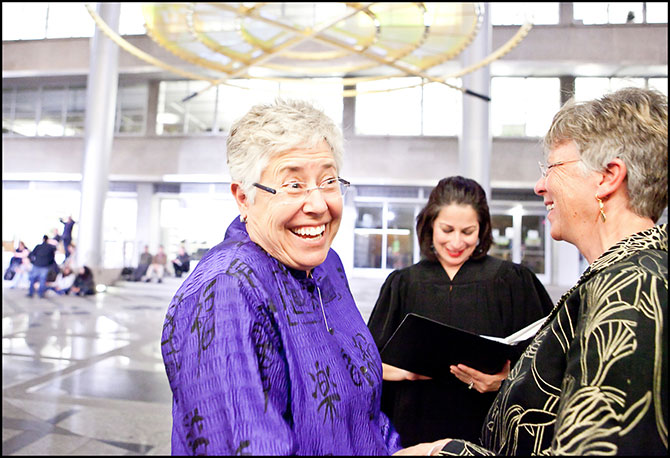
528	299
384	318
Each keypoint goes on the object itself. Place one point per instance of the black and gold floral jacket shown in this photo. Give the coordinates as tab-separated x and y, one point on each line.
595	378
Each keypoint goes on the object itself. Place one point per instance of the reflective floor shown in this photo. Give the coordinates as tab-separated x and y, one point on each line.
84	375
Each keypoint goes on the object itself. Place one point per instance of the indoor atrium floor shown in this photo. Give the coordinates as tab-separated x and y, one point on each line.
85	376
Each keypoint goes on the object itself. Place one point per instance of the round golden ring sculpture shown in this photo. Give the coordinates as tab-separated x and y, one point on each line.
222	42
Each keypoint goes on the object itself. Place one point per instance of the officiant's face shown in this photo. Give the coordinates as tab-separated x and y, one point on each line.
455	234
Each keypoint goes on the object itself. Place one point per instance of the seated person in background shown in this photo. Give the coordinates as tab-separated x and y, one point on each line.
182	263
143	265
20	265
84	284
64	281
157	266
70	256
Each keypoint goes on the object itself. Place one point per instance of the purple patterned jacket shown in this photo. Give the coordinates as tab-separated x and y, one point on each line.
253	368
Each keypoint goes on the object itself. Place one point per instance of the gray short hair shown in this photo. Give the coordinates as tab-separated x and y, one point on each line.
268	129
630	124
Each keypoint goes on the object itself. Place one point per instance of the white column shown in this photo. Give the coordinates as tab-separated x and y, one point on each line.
474	146
101	92
145	210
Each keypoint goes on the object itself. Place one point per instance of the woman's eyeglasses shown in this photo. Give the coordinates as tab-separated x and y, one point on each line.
545	168
298	191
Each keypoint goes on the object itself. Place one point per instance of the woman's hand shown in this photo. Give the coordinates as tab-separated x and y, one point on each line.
478	380
425	449
395	374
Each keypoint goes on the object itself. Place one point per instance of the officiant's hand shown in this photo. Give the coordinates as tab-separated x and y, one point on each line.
479	380
395	374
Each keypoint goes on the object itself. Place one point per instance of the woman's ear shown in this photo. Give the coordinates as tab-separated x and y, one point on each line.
241	199
612	178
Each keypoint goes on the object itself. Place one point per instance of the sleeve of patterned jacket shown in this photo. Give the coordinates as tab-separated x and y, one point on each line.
229	379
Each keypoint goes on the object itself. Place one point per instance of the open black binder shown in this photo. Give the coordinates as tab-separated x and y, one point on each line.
428	347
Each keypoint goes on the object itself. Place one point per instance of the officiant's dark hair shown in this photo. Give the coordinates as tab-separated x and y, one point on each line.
460	191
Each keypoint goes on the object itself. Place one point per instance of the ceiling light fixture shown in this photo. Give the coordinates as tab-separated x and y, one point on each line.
356	42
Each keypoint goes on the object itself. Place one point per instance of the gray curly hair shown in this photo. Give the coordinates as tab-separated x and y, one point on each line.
268	129
630	124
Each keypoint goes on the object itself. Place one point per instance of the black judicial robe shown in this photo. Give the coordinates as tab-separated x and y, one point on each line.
487	296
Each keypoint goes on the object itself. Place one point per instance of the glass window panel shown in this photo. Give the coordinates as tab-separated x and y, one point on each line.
523	106
502	229
120	222
325	94
7	110
619	83
24	114
51	117
377	112
657	12
660	84
131	108
590	12
400	217
505	13
400	221
24	20
607	13
369	217
622	13
542	101
532	242
442	109
75	115
131	19
176	117
368	250
590	88
235	101
399	251
69	20
169	114
199	111
46	203
507	109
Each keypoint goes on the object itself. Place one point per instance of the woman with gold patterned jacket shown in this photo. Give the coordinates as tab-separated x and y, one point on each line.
595	378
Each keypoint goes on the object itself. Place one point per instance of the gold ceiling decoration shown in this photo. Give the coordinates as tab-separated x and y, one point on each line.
355	42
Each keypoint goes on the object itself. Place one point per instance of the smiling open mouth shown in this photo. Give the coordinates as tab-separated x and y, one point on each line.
309	232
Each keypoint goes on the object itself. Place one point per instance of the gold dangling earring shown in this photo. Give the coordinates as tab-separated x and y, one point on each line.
602	213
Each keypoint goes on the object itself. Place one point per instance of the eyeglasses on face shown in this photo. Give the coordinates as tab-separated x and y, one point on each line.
297	191
544	168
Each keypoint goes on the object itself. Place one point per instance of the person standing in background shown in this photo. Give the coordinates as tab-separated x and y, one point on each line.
459	284
66	236
43	260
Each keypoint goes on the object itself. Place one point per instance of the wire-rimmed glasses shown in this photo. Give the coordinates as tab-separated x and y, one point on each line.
545	168
297	191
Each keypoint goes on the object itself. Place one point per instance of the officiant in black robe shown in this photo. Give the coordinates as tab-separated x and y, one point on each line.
459	284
